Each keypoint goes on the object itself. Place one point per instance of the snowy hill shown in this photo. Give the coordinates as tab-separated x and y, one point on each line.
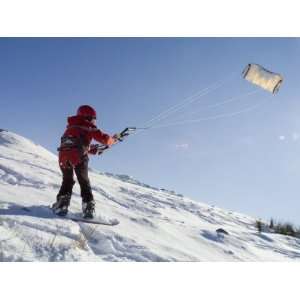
155	224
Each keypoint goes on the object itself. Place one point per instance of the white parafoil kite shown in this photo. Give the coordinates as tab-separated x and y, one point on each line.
262	77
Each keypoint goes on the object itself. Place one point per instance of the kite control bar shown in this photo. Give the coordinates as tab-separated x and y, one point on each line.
127	131
120	137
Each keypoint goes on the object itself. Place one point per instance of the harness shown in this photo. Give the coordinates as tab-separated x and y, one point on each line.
69	142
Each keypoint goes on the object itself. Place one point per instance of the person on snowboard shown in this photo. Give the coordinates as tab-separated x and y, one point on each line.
73	156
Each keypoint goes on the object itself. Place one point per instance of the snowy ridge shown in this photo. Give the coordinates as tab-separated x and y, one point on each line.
155	224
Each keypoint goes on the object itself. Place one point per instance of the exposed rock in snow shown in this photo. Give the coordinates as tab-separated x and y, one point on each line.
221	231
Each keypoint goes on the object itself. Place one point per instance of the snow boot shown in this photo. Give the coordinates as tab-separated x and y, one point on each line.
88	209
60	207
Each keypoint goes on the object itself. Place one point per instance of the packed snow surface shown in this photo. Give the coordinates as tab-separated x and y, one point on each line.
155	224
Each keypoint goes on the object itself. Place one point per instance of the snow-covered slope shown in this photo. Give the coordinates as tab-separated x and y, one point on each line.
155	224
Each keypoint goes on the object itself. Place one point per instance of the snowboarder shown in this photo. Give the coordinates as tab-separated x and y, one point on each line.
73	156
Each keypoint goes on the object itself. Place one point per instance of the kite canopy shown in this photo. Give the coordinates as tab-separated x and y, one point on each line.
262	77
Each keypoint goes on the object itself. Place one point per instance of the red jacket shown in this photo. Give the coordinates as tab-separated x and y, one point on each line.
82	131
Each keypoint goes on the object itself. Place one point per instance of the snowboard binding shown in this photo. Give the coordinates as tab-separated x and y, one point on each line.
88	209
60	207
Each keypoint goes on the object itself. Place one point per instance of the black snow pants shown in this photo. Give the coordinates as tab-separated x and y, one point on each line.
81	171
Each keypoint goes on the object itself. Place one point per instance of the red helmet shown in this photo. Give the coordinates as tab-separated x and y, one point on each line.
86	111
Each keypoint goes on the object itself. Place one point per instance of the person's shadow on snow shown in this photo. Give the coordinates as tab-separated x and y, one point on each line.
38	211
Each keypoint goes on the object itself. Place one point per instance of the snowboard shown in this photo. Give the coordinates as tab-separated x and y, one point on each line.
76	217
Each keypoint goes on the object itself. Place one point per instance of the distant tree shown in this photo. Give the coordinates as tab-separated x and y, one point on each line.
285	229
290	229
259	225
297	233
271	224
